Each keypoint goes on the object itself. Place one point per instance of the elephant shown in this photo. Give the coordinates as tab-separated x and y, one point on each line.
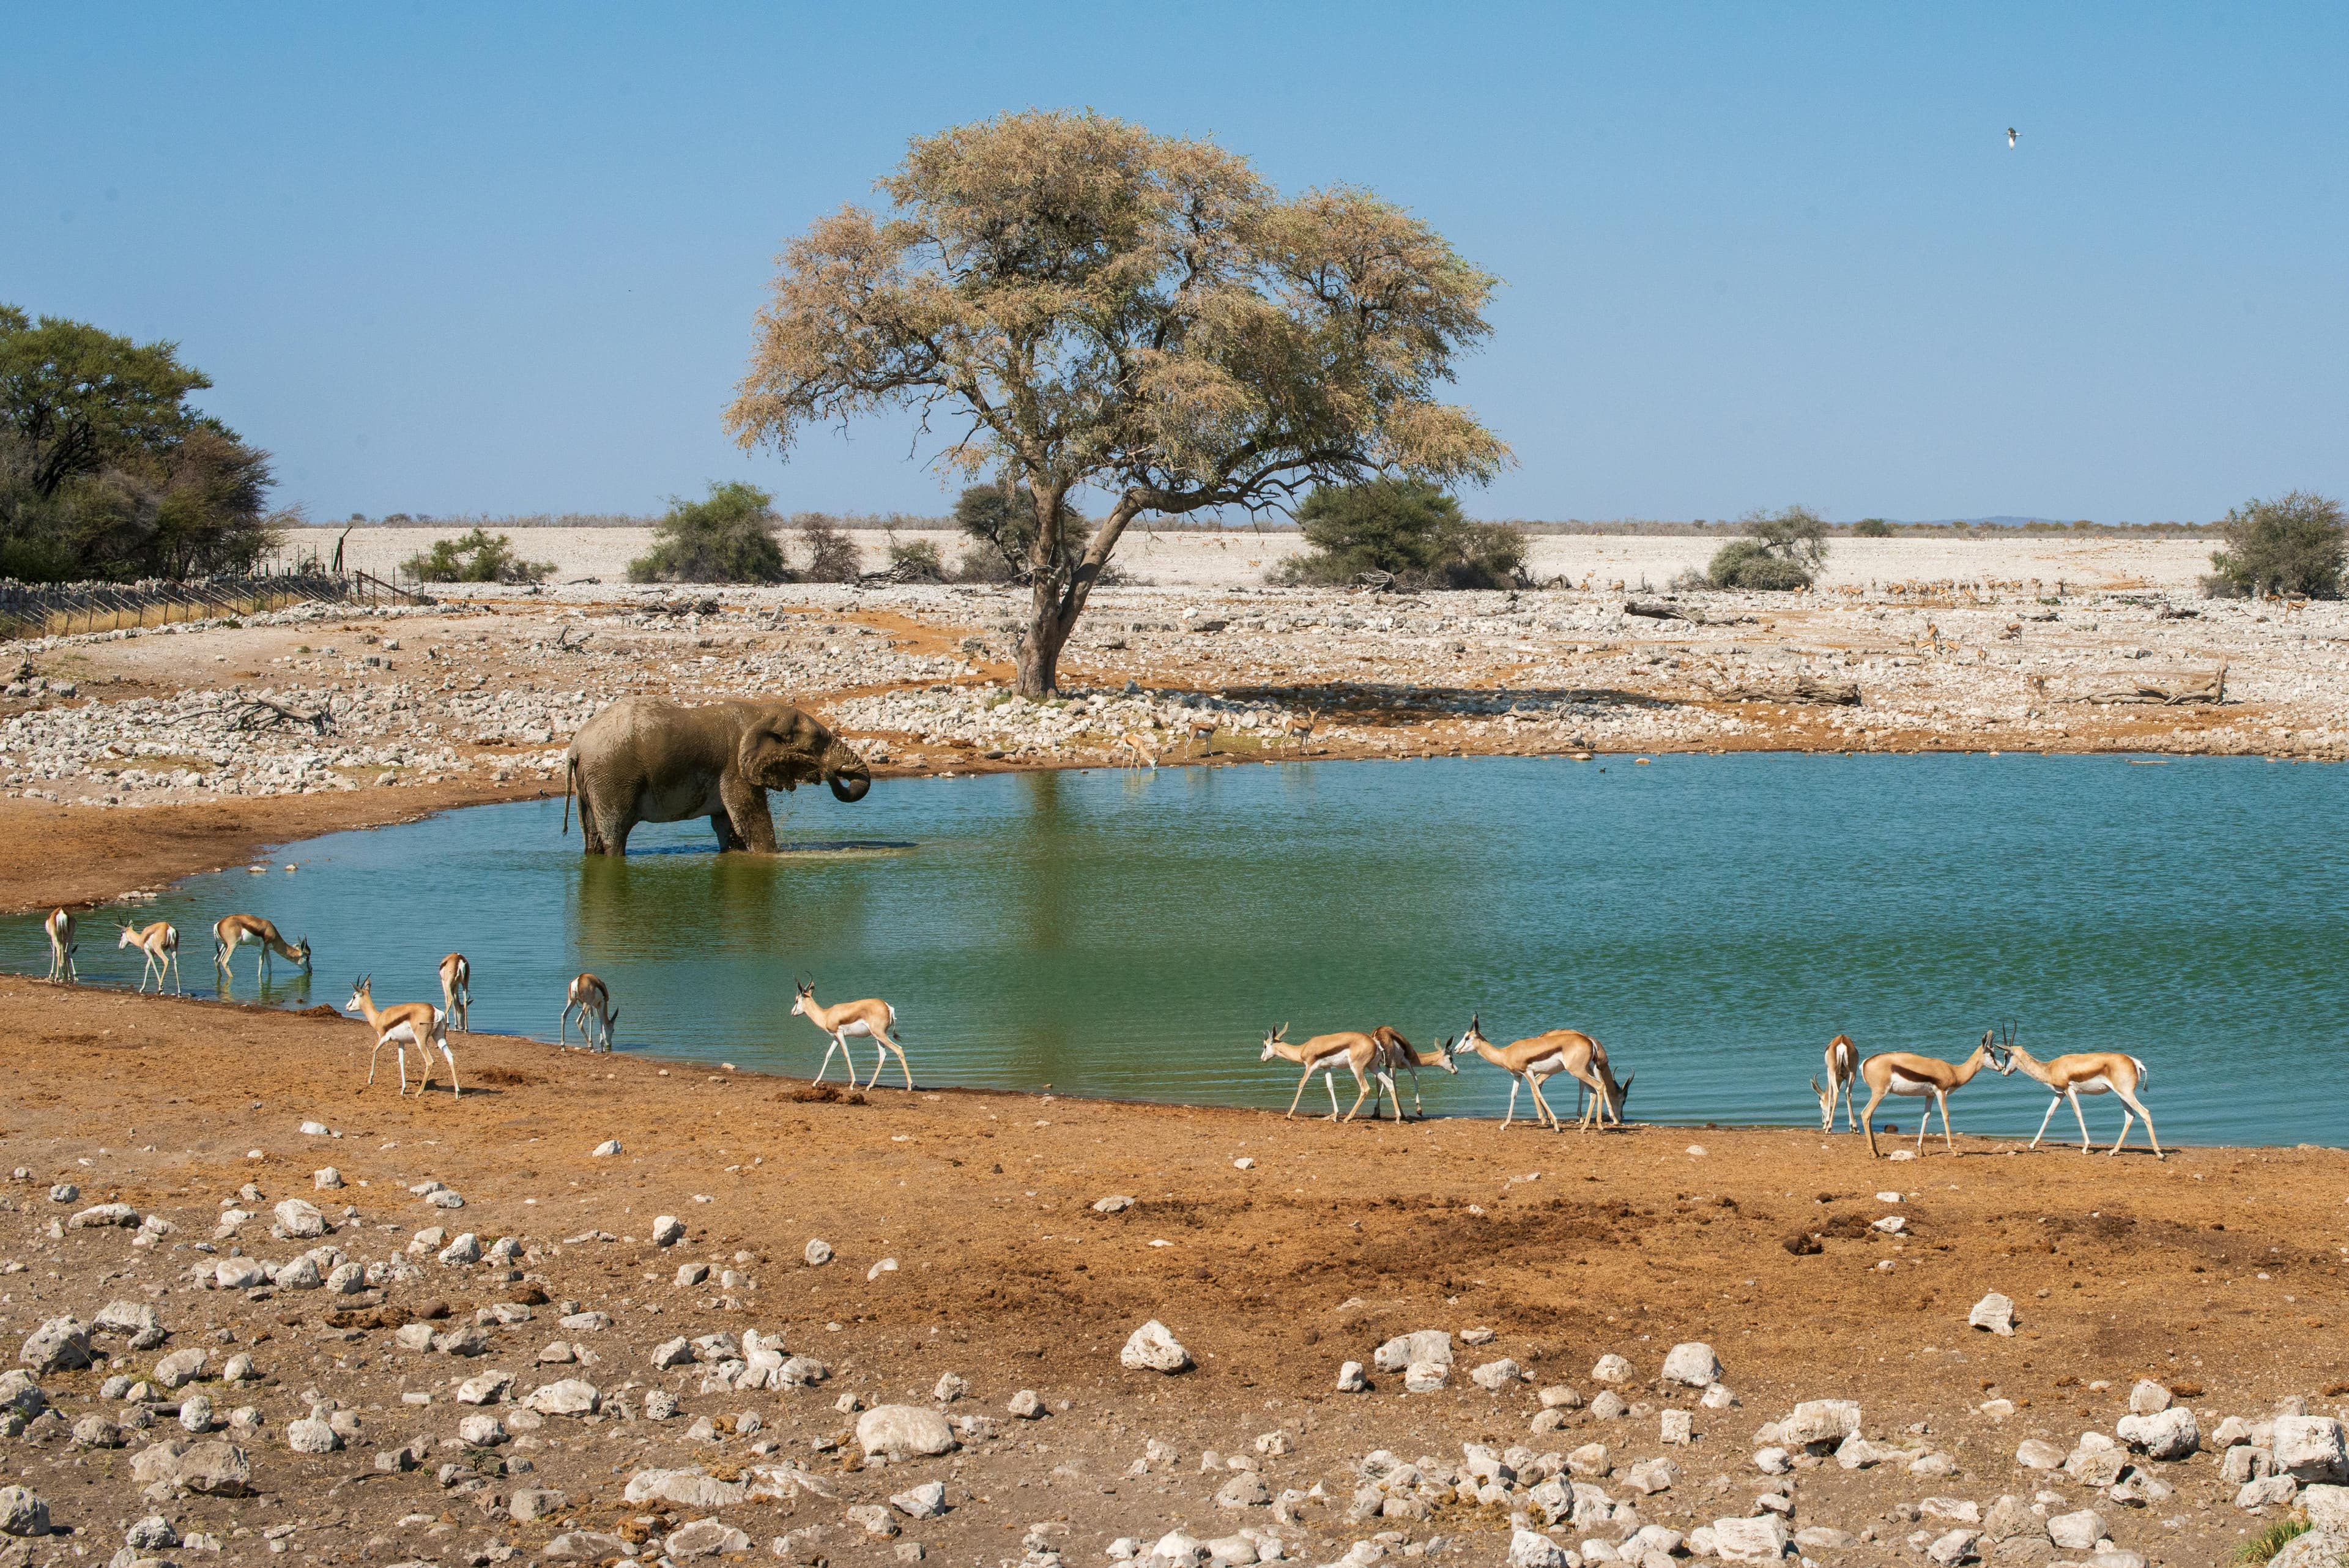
645	758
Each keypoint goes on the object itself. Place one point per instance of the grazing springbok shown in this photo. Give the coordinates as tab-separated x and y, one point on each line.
400	1026
1533	1060
160	944
1398	1051
231	932
1906	1073
872	1018
2086	1072
1324	1054
590	999
1843	1070
457	991
1135	751
60	927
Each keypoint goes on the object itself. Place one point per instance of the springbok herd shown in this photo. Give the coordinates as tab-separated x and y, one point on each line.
1372	1058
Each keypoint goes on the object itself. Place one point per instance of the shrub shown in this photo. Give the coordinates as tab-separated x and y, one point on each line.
728	538
832	553
2259	1548
1405	527
2293	544
1872	528
1001	525
1784	551
917	562
476	557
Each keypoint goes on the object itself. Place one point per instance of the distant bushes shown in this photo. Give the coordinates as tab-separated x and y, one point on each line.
1784	551
1872	528
478	557
1405	529
2291	545
728	537
832	553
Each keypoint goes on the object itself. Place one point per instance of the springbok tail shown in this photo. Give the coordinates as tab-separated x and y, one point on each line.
2143	1072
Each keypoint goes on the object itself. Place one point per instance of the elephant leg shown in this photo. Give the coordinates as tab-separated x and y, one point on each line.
745	803
723	826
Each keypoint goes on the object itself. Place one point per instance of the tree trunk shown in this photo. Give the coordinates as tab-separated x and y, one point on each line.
1058	594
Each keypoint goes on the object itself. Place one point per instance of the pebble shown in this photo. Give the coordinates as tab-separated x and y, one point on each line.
1151	1348
668	1230
1693	1363
610	1145
817	1252
902	1431
1995	1313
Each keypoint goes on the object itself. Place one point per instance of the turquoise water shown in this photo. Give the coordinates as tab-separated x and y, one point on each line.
1712	919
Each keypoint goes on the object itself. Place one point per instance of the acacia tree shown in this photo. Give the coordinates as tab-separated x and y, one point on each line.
1089	305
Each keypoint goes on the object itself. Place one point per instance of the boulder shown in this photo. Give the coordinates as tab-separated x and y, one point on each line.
1761	1540
1495	1376
181	1367
1819	1423
1957	1546
902	1431
926	1500
668	1230
301	1274
707	1538
312	1435
2171	1434
238	1274
465	1249
1025	1405
1426	1376
1425	1344
1151	1348
533	1503
23	1512
1529	1549
1693	1363
2268	1491
686	1488
2306	1447
1611	1368
125	1317
1351	1379
298	1217
2010	1518
568	1397
1995	1313
1246	1490
103	1215
585	1546
2327	1507
2038	1454
19	1394
482	1431
59	1345
2148	1398
672	1352
2077	1532
152	1533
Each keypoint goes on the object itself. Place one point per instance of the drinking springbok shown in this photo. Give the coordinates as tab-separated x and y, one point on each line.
1906	1073
457	991
1843	1070
1324	1054
2086	1072
1399	1052
231	932
400	1026
872	1018
160	944
1539	1057
590	999
60	927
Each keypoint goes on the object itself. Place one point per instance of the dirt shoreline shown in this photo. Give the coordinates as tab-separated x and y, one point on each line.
2215	1272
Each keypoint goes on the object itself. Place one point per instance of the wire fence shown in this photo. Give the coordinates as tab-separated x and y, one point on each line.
62	609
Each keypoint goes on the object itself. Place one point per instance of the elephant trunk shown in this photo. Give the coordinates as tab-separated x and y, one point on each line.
846	774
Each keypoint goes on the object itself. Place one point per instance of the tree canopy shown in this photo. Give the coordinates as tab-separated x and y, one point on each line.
1785	550
105	468
1085	304
2291	545
727	537
1407	528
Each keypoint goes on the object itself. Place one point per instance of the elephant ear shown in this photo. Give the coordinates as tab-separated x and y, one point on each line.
767	754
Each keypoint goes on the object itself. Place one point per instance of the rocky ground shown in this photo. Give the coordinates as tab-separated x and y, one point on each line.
600	1309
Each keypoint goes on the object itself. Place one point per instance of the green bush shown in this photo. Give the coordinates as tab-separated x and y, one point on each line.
1406	528
915	562
476	557
1784	551
2293	544
1872	528
727	539
1001	525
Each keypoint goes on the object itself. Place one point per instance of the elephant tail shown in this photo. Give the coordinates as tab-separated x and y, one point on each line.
570	768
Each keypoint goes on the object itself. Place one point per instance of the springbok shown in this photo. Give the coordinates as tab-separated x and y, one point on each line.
60	927
1135	751
1843	1069
231	932
457	991
1906	1073
1203	729
1297	728
1533	1060
872	1018
2086	1073
160	944
400	1026
1398	1051
590	999
1324	1054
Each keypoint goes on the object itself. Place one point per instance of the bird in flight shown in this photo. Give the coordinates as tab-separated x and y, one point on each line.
2010	136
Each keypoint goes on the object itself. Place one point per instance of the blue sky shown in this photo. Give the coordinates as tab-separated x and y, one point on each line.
449	258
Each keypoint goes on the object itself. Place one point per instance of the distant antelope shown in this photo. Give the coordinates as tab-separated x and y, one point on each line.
1539	1057
590	999
1299	728
1204	728
2086	1073
1399	1052
160	944
231	932
1358	1053
872	1018
400	1026
1908	1074
1843	1070
1136	752
457	991
60	927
